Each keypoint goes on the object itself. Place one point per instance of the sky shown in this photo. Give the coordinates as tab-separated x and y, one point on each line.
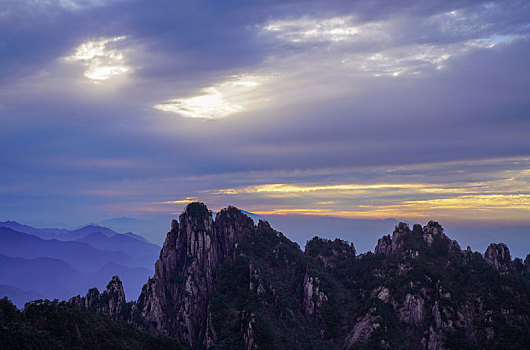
410	110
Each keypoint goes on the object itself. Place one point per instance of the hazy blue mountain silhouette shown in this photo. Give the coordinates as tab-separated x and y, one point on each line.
45	233
88	230
69	262
28	279
68	235
51	278
19	296
146	228
79	255
122	242
138	237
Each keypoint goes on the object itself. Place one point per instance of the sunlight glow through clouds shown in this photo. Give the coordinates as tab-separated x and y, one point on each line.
217	101
181	201
101	59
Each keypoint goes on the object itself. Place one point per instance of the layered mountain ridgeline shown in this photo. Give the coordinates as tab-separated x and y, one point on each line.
230	284
56	263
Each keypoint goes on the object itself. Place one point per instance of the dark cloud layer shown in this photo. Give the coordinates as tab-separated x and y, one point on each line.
98	99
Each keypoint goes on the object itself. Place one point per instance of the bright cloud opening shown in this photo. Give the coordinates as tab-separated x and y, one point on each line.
217	101
101	58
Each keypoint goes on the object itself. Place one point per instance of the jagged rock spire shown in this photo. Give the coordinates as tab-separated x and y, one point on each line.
498	256
110	302
428	234
176	300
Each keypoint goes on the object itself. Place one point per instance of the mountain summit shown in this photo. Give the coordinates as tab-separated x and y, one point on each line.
231	284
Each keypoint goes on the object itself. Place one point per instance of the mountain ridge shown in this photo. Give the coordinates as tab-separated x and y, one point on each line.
231	284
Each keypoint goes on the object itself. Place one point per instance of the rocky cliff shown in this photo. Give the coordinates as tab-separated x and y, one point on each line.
111	301
227	284
176	300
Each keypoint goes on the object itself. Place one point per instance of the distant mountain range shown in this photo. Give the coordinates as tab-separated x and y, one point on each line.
58	263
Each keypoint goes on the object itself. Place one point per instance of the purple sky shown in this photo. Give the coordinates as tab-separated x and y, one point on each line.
360	109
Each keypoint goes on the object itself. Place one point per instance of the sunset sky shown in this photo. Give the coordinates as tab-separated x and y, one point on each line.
412	110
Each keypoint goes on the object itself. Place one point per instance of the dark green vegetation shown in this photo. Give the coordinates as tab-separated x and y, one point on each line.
424	294
45	324
260	291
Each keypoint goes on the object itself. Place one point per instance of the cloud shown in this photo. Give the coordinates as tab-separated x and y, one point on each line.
218	101
181	201
306	29
100	59
381	47
269	106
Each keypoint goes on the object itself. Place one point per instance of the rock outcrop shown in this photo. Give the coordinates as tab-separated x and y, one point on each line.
498	256
363	329
329	253
384	245
175	301
111	301
313	296
431	234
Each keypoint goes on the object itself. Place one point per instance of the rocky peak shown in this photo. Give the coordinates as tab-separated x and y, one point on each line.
387	245
411	242
115	287
432	231
174	225
110	302
196	226
175	301
384	245
115	296
230	225
264	226
329	252
498	256
401	230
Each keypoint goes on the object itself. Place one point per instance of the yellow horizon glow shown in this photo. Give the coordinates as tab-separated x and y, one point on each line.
462	188
181	201
506	196
471	207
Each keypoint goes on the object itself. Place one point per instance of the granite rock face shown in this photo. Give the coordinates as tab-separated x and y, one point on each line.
111	302
175	301
431	233
384	245
313	297
498	256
